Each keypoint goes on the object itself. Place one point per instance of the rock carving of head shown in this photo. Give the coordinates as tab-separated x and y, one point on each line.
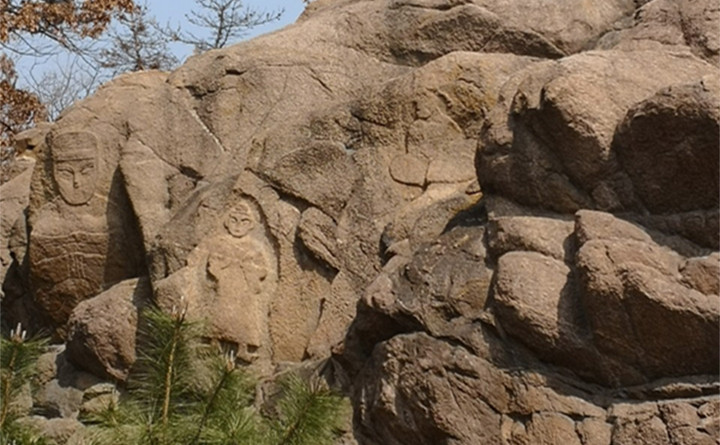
240	220
75	165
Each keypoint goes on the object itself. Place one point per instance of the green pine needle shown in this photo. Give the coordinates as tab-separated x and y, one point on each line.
308	414
18	360
184	392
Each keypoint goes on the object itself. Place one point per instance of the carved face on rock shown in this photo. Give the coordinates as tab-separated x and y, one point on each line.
240	221
75	166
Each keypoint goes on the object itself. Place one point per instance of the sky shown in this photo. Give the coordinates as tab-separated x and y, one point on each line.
170	12
173	11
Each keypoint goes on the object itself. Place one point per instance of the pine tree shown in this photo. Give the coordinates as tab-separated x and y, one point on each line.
18	359
184	391
308	413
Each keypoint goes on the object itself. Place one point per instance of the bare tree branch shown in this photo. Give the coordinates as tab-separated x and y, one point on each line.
226	21
136	43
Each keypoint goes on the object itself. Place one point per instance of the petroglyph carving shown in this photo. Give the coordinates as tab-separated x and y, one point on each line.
75	165
240	266
67	265
83	240
238	256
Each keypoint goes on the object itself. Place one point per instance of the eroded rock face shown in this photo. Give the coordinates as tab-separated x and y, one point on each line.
514	204
102	330
461	344
13	234
665	23
554	141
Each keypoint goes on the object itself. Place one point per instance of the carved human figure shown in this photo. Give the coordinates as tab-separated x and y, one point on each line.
75	166
79	244
240	266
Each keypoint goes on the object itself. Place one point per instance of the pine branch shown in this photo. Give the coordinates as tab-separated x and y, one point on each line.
18	359
226	371
164	370
226	417
307	414
169	371
161	383
190	395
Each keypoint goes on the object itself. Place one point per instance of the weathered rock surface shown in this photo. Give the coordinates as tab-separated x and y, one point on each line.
13	236
635	288
102	330
58	431
554	141
60	386
499	217
463	344
671	24
82	238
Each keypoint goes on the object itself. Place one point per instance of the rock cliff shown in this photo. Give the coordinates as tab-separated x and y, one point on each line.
496	220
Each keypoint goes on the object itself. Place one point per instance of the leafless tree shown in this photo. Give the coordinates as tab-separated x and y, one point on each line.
91	54
136	43
68	81
226	21
23	23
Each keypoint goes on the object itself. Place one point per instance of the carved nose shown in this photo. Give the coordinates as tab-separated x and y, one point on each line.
76	181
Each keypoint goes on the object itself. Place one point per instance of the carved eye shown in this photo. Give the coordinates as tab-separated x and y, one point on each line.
87	170
66	172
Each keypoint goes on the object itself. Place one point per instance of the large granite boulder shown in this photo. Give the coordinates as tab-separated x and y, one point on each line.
670	24
102	329
498	219
464	344
559	139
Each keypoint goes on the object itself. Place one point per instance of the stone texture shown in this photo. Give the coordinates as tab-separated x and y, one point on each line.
401	396
703	274
57	431
102	330
535	302
664	144
499	219
594	432
318	232
496	26
98	399
551	142
593	225
683	24
632	287
14	199
82	238
552	428
548	236
331	206
407	341
59	386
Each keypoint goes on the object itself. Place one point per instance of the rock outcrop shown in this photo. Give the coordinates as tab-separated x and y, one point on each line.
497	220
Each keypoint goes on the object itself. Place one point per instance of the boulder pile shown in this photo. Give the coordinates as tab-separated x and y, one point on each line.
496	220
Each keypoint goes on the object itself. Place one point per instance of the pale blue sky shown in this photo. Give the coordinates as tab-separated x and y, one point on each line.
174	11
31	70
